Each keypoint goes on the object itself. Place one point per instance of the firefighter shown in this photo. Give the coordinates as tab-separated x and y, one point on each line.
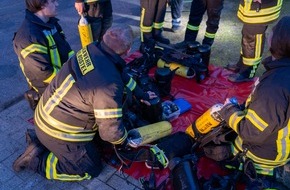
82	102
151	22
176	10
256	15
99	14
263	126
197	10
41	46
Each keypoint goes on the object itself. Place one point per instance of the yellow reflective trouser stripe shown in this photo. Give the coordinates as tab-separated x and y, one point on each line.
61	130
108	113
143	28
209	35
131	84
33	48
157	25
51	171
121	140
235	118
191	27
54	55
283	143
257	121
252	61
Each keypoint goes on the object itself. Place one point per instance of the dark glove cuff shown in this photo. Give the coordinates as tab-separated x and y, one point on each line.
228	110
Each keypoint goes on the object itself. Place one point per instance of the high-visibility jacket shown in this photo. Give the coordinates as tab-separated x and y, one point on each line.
41	49
252	13
85	97
264	126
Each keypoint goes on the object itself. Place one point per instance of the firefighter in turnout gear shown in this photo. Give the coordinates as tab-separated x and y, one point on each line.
263	126
84	101
255	15
197	10
40	46
99	14
151	21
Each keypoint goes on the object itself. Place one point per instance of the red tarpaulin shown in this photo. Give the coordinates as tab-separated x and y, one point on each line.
213	89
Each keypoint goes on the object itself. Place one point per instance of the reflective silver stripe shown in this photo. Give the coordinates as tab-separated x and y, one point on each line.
59	93
131	84
108	113
54	55
258	122
48	129
283	144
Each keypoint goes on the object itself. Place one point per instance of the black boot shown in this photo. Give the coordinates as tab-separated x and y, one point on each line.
158	37
235	67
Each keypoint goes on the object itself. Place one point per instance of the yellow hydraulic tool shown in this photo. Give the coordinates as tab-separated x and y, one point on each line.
85	31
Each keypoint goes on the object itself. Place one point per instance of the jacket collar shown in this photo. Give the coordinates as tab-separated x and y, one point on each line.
34	19
282	62
115	58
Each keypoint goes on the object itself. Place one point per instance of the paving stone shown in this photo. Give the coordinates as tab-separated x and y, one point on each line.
96	184
106	173
119	183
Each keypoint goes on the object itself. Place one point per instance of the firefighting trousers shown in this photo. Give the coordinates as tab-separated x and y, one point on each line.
197	10
152	18
253	42
100	17
68	161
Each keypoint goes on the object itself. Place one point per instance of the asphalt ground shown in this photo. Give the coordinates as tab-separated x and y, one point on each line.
14	110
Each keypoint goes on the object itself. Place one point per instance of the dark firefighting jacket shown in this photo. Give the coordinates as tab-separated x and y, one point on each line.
254	13
264	126
41	49
86	96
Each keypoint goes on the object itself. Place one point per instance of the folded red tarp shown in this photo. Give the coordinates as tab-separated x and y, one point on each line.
213	89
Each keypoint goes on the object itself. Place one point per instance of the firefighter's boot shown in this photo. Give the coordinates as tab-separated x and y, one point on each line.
159	37
29	159
235	67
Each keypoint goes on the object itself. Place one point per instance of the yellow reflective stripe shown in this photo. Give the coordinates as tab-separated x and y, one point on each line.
146	28
131	84
62	135
191	27
54	55
71	53
209	35
49	79
283	143
251	61
33	48
157	25
27	79
51	171
257	121
59	93
246	10
142	27
235	118
108	113
121	140
258	48
265	15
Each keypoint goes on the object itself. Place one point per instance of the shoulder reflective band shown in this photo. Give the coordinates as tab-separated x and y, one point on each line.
33	48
